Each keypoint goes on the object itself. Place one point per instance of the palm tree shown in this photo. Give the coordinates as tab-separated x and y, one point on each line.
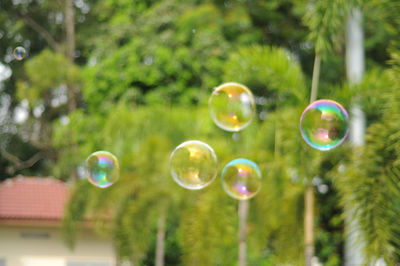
145	192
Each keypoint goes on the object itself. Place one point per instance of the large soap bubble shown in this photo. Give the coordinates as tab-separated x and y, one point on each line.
324	124
193	164
232	106
241	179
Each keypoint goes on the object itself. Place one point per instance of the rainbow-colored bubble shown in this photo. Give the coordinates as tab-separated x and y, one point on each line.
193	164
102	169
241	179
232	106
324	124
19	53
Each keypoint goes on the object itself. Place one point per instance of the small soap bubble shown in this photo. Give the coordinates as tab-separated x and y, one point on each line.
193	164
232	106
241	179
324	124
19	53
102	169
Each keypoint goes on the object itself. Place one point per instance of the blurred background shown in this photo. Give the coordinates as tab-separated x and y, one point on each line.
133	77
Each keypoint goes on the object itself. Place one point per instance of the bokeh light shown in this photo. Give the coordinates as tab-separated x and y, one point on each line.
232	106
193	164
324	124
241	179
102	169
19	53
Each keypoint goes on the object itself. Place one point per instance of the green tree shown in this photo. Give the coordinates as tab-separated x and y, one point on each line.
146	69
370	179
35	25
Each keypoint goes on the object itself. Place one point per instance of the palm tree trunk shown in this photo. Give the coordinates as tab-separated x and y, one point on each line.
243	213
160	239
309	225
309	193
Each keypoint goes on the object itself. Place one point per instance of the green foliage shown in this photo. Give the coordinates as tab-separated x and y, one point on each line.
382	27
146	189
199	234
75	212
329	235
146	69
370	183
325	20
46	72
268	71
180	51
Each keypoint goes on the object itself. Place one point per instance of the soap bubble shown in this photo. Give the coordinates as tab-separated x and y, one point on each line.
193	164
232	106
19	53
241	179
324	124
102	169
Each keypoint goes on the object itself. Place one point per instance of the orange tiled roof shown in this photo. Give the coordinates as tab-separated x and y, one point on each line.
32	198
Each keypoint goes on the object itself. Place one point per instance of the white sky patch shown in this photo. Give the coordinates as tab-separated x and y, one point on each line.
59	18
64	120
81	171
5	72
323	188
59	96
21	112
5	101
82	5
92	61
38	111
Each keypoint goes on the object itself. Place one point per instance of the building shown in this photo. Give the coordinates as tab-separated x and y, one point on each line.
31	210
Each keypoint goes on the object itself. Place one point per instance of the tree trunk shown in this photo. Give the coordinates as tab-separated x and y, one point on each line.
309	225
315	78
70	52
243	213
355	70
160	239
70	29
309	192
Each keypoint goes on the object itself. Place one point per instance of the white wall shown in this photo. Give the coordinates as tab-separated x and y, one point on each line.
29	246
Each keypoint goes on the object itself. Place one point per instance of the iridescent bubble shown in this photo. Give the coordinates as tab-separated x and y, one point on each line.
193	164
324	124
102	169
19	53
241	179
232	106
